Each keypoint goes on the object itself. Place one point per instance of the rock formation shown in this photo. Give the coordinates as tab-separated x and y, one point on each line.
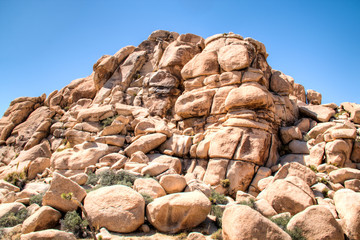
201	118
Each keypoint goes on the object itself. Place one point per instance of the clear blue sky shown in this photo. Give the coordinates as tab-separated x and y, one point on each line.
44	45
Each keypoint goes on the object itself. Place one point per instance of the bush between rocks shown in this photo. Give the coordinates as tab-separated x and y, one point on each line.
12	219
282	223
36	199
72	222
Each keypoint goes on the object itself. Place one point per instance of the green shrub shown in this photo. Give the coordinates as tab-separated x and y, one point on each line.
313	168
282	222
108	121
148	199
249	202
92	178
72	222
217	235
323	180
17	178
12	219
225	183
181	236
217	198
109	178
37	199
217	211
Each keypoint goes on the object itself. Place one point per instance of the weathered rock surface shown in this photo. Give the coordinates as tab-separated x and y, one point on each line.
242	222
178	211
117	208
44	218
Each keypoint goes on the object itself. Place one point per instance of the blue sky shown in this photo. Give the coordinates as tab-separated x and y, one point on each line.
44	45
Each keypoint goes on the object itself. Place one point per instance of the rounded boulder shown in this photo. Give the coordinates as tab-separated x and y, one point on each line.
117	208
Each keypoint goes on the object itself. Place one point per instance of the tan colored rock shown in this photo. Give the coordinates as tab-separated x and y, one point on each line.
48	235
115	128
242	222
171	162
37	166
8	186
343	174
262	172
299	92
313	97
263	183
177	145
44	218
80	178
337	152
297	146
195	103
230	78
233	57
139	157
195	236
288	195
354	110
218	104
173	183
79	157
109	206
254	146
353	184
249	96
263	207
317	154
215	171
347	205
224	143
145	143
10	207
280	84
198	185
154	169
115	140
355	154
320	129
297	170
288	134
178	211
149	186
60	185
203	64
95	113
240	174
326	225
317	112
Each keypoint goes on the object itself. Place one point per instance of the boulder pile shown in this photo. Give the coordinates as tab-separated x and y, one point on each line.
181	133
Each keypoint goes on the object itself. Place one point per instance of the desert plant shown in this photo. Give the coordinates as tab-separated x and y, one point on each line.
148	199
37	199
323	180
72	222
17	178
12	219
217	235
217	211
92	178
282	222
225	183
313	168
217	198
70	196
250	202
108	121
181	236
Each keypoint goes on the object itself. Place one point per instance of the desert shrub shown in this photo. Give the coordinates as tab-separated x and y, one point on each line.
217	235
92	178
12	219
109	178
72	222
17	178
148	199
37	199
181	236
249	202
217	198
225	183
108	121
282	222
323	180
313	168
217	211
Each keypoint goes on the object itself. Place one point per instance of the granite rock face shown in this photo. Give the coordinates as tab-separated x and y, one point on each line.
180	119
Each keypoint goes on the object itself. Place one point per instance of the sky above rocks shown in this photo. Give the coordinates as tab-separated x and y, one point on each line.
44	45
